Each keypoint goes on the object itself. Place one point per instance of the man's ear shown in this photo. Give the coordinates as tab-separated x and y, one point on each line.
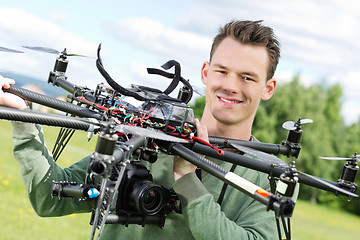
204	72
269	89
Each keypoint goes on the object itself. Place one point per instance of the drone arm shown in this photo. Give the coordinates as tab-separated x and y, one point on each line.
53	103
60	82
46	119
71	88
233	158
264	147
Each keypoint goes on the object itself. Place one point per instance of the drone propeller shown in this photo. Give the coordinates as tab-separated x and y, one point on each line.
53	51
290	125
3	49
355	158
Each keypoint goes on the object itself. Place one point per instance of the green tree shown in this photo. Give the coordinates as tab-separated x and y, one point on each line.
198	107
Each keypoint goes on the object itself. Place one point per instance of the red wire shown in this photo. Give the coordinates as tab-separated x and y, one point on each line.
97	105
219	151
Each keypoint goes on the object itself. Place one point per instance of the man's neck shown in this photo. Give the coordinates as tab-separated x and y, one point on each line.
241	131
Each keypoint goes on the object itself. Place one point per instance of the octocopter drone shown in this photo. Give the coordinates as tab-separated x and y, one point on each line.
121	187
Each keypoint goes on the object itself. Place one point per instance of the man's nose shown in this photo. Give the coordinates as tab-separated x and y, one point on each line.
232	84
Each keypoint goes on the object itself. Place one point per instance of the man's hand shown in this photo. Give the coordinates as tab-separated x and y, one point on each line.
8	99
181	166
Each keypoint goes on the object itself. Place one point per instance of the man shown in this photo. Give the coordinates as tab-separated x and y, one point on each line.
238	76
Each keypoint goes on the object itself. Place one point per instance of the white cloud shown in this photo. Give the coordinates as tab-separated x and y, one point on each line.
351	112
351	88
152	36
189	49
19	27
58	17
141	76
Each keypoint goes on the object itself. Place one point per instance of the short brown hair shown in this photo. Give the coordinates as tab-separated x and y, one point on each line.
254	33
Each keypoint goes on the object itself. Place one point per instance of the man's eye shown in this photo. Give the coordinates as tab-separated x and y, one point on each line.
221	72
248	79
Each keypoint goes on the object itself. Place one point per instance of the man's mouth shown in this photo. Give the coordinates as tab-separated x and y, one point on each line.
229	101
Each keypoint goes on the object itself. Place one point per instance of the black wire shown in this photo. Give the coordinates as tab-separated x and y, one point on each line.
111	81
223	190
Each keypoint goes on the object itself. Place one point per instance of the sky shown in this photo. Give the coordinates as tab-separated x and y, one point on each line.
319	39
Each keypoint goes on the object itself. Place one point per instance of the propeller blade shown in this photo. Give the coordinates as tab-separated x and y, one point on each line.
198	91
3	49
53	51
329	185
43	49
336	158
262	156
303	121
76	55
289	125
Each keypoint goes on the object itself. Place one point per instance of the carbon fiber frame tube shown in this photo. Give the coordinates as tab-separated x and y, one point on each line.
64	84
71	88
199	161
265	147
44	119
53	103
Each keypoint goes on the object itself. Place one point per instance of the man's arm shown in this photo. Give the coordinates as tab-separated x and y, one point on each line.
37	166
38	170
239	216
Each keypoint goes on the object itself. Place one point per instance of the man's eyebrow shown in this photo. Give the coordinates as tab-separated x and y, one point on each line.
220	66
248	73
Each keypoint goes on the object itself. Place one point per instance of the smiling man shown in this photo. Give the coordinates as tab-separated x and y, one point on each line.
243	60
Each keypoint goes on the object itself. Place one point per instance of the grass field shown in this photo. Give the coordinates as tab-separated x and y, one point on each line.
18	221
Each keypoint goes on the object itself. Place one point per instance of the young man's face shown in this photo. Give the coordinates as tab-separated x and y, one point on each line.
236	81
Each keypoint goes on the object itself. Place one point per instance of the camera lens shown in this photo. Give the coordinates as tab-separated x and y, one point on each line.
151	198
147	197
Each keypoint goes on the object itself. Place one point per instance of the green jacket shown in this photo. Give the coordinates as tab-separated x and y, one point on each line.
238	217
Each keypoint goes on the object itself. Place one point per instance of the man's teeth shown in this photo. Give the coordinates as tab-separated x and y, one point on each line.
228	101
